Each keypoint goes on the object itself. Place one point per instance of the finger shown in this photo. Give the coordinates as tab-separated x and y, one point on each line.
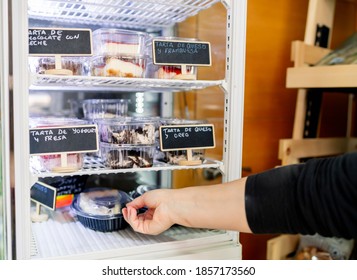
129	215
137	203
135	221
124	211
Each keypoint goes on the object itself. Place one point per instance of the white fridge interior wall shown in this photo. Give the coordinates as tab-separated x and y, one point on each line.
62	237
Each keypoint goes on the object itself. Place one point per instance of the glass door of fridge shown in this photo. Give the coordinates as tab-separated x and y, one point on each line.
5	205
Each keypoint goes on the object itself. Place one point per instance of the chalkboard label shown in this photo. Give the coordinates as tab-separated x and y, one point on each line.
55	41
183	137
44	194
169	52
64	139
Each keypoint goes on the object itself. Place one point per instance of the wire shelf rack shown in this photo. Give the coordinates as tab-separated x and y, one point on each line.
70	238
93	165
141	14
122	84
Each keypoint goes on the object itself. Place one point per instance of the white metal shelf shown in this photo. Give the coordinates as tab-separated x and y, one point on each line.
93	166
139	14
62	236
39	81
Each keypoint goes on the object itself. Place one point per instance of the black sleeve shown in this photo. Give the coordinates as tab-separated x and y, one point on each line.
319	196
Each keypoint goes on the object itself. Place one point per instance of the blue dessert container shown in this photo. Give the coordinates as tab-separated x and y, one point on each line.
100	209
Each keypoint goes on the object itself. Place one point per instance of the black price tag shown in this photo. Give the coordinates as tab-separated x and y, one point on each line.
44	194
193	53
64	42
183	137
64	139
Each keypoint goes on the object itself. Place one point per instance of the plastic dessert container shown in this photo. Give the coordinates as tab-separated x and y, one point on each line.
104	108
109	41
78	65
169	71
175	156
135	131
124	66
118	53
100	209
127	156
53	162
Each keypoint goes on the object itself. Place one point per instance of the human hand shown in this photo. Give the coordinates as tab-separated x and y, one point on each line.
157	218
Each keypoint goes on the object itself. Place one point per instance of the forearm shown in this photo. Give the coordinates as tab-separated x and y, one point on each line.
317	197
219	206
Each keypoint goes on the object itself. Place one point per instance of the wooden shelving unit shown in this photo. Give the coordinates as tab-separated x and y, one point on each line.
303	76
338	76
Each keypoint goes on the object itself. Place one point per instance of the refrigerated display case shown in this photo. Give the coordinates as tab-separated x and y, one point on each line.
62	236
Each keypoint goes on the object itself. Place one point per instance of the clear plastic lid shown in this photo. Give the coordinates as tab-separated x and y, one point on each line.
118	41
105	101
129	121
100	203
129	130
105	108
55	121
177	121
